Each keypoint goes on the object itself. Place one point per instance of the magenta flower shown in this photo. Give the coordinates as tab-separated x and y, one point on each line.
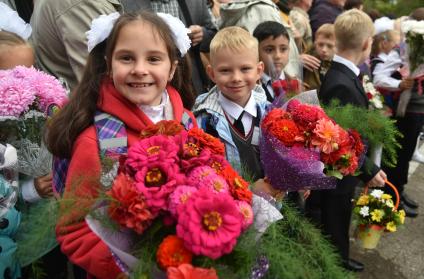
209	223
180	196
247	212
156	181
198	174
153	149
215	183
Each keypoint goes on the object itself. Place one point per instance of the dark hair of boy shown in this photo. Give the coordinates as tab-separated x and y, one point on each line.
270	29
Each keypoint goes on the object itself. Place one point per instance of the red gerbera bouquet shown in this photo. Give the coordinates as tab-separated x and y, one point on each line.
302	148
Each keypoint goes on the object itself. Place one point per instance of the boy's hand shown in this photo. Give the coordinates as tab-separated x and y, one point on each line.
310	62
263	185
43	185
378	180
196	35
406	83
306	193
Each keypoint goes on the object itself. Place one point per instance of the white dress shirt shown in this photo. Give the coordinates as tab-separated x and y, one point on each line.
383	71
156	113
347	63
233	111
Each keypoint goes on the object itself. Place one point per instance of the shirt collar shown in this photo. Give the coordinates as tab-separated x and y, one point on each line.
347	63
156	113
234	110
265	78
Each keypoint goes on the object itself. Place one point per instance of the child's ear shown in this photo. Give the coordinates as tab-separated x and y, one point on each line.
173	69
210	72
260	68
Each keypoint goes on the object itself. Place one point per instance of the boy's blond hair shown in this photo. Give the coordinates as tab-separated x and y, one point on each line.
327	31
352	28
235	39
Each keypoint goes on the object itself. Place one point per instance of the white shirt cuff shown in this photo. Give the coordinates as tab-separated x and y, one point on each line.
29	193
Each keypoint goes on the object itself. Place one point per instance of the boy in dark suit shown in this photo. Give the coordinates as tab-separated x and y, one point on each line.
354	30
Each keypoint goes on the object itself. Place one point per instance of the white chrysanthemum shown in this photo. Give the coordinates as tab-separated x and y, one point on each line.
389	203
179	32
377	194
365	211
100	29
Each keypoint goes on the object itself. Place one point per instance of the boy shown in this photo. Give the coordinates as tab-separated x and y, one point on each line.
274	48
233	108
324	48
354	30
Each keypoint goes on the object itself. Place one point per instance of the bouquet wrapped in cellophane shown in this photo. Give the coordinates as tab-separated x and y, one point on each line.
302	148
27	96
173	207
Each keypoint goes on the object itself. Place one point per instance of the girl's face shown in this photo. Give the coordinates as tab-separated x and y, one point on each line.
274	52
21	55
141	67
389	45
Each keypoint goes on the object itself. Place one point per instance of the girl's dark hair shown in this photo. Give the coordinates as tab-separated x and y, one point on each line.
78	113
270	29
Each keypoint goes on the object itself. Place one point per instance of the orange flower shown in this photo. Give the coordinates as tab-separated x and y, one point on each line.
164	127
171	252
207	141
239	188
286	131
187	271
326	136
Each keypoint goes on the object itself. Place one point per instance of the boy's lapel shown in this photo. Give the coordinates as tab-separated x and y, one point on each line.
355	79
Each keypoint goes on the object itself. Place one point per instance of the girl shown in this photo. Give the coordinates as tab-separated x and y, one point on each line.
134	76
14	51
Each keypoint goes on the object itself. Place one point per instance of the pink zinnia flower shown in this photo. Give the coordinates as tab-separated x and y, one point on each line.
156	182
218	163
153	149
180	196
198	174
215	184
247	212
326	136
209	224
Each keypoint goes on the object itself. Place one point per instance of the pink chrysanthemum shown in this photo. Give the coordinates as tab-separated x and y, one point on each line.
180	196
15	97
209	224
153	149
247	212
156	182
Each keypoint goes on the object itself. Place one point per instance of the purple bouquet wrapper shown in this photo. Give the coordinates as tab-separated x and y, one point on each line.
292	168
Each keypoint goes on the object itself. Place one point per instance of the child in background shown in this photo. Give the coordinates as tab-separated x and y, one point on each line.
14	51
130	78
385	67
324	48
274	50
354	30
233	109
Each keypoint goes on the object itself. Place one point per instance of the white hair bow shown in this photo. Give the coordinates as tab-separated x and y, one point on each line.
100	29
179	32
11	22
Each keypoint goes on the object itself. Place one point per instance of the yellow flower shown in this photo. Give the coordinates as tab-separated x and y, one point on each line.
402	216
377	215
386	197
363	200
389	203
391	226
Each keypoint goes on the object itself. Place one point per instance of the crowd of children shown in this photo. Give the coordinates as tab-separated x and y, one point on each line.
138	74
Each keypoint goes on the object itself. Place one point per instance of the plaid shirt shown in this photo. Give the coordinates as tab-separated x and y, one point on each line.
166	6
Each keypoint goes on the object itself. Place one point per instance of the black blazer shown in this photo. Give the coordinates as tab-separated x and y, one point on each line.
341	83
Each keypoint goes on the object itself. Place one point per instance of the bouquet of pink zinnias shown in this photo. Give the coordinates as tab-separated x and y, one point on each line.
27	96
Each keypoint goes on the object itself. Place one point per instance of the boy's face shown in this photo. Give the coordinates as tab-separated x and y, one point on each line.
325	47
274	52
235	73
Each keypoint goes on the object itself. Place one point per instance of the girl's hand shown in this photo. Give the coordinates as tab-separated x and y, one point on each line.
310	62
196	35
378	180
43	185
406	83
